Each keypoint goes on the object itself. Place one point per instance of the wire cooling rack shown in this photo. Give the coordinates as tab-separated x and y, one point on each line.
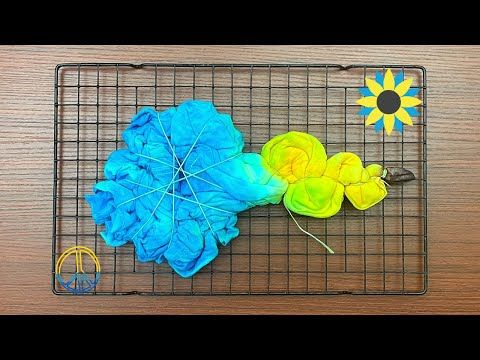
379	251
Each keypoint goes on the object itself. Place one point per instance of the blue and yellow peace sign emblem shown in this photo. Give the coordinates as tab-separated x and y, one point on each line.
81	281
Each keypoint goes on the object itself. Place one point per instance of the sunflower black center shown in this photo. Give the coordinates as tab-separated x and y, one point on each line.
388	102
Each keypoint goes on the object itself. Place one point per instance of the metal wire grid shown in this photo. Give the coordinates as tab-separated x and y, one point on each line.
379	251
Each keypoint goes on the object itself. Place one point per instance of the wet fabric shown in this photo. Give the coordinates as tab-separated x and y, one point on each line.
176	189
317	185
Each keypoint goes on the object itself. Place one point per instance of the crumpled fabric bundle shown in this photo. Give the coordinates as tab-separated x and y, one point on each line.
176	213
317	185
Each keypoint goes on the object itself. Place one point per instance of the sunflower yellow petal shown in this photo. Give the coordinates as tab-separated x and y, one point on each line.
403	116
374	116
368	101
388	81
373	86
388	121
402	88
409	101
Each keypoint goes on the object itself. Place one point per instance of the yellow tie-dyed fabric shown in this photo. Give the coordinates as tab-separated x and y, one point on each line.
317	185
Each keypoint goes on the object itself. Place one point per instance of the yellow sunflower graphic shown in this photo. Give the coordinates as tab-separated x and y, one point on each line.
389	101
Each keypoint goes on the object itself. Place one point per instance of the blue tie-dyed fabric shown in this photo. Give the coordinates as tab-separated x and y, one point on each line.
169	224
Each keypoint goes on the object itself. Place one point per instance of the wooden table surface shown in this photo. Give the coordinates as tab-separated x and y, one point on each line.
26	153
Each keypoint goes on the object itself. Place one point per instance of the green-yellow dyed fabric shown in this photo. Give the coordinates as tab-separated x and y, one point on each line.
317	185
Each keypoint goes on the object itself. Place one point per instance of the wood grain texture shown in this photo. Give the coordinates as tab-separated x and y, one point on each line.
26	113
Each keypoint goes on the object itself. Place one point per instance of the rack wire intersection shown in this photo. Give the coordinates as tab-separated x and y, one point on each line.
379	251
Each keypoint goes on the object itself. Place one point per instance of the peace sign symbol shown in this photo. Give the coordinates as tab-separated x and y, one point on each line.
79	282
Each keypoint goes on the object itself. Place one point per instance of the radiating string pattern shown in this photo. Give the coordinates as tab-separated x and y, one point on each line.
380	251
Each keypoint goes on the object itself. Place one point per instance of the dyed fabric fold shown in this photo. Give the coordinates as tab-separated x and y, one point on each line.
176	189
317	185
